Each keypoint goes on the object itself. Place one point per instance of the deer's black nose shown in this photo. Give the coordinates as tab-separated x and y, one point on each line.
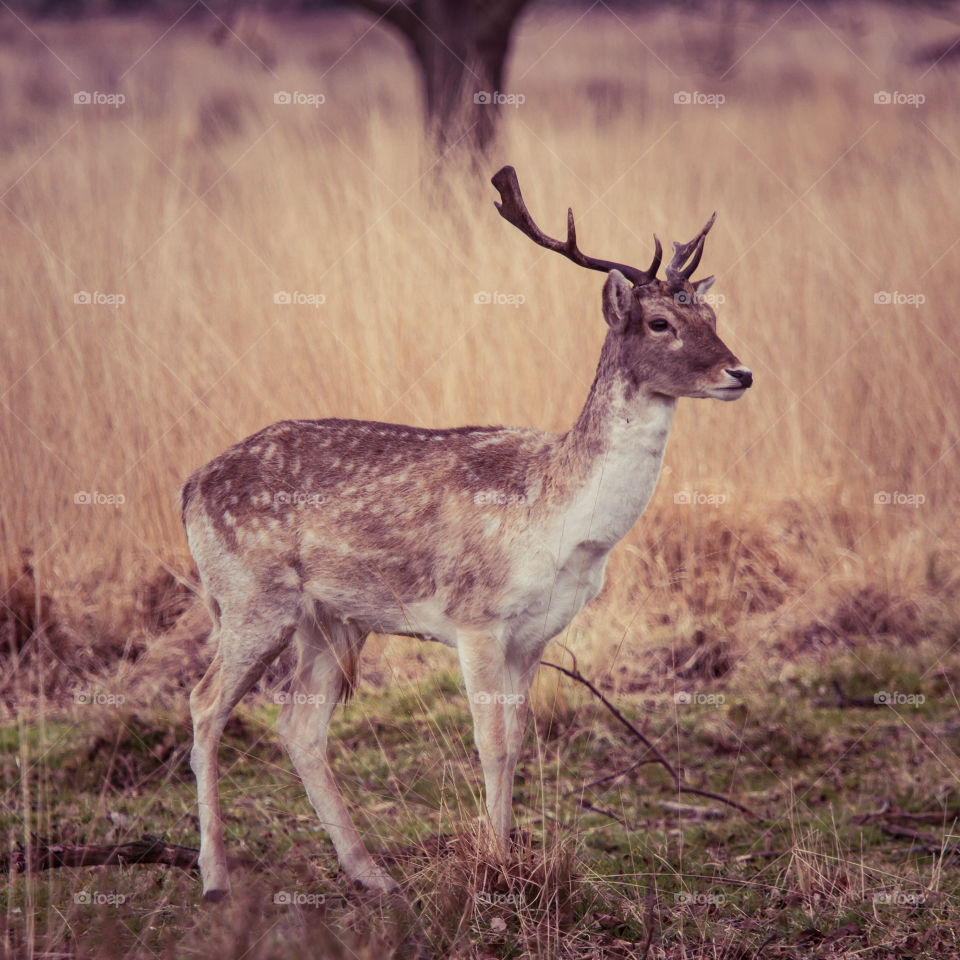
742	374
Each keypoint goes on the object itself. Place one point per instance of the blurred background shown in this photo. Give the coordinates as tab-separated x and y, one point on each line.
214	216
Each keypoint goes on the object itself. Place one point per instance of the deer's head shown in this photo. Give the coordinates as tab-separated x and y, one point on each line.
663	334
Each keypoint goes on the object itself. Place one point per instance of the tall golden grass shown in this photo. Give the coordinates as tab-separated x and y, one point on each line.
200	198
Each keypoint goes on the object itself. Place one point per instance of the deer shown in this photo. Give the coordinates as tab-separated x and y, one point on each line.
490	540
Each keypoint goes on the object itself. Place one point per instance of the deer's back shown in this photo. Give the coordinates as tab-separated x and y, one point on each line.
372	518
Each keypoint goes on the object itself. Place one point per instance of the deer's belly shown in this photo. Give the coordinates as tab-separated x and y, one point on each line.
538	601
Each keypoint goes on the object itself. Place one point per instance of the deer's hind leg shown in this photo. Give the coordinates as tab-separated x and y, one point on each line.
327	653
252	632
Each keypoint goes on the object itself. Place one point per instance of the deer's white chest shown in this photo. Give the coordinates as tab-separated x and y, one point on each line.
566	560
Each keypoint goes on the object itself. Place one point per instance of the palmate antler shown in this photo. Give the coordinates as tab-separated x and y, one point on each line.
513	209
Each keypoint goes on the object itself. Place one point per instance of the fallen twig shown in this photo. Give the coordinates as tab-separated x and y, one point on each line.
46	856
575	674
886	812
613	776
657	756
926	842
586	805
690	810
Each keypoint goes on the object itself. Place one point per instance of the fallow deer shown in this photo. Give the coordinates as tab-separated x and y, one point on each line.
487	539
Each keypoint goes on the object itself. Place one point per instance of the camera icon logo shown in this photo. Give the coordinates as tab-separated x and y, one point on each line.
82	498
682	96
882	96
682	697
282	296
83	297
481	96
283	898
482	296
82	897
82	97
283	96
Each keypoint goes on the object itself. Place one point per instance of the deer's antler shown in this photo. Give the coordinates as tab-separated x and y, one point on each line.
676	270
514	210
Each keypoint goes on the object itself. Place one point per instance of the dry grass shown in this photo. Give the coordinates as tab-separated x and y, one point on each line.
199	198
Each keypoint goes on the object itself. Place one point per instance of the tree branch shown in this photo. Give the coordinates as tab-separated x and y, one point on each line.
657	757
43	855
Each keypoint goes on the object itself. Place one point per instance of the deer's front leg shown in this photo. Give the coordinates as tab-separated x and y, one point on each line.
482	662
520	667
498	688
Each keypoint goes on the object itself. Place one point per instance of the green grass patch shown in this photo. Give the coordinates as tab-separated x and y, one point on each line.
821	871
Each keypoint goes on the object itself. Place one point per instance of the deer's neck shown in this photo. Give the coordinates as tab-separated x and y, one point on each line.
607	465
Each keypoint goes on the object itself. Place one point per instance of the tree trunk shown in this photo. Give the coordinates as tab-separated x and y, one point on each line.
461	49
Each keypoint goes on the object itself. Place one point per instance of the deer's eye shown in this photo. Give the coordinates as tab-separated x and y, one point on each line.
659	325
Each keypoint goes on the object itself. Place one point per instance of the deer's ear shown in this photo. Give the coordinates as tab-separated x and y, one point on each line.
704	285
617	299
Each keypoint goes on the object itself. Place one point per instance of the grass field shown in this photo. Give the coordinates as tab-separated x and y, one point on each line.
802	541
